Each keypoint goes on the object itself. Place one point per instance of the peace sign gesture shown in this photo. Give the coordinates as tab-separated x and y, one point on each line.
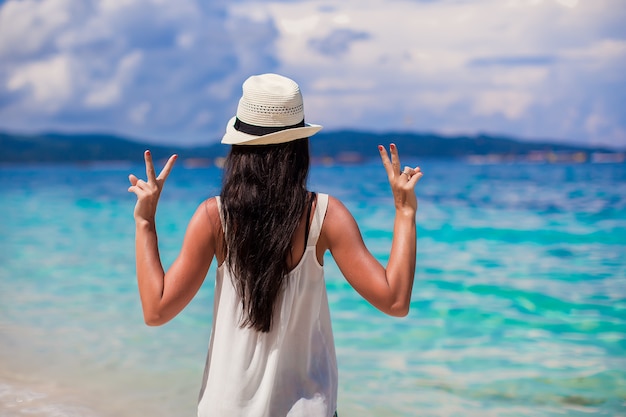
148	193
402	183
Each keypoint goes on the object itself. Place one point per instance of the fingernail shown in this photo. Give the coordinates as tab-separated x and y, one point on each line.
380	147
392	146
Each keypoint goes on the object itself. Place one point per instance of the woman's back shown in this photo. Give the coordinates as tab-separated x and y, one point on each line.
290	370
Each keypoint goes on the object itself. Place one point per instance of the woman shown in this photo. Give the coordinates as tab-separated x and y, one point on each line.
271	351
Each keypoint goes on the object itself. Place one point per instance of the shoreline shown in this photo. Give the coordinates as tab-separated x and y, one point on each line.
128	393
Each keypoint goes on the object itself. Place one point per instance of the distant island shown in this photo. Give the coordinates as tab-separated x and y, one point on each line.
346	146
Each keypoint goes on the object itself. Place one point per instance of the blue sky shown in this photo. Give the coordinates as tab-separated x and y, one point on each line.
171	71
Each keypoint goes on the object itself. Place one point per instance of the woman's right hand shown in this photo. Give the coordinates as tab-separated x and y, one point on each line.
149	191
402	182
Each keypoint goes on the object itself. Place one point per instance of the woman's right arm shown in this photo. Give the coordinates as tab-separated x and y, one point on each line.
165	294
386	288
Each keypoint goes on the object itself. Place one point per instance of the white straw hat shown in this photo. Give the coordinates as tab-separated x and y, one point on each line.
270	111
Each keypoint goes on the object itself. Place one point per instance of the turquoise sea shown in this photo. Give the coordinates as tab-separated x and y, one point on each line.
519	303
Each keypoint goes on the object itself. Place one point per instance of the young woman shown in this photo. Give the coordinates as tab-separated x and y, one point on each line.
271	351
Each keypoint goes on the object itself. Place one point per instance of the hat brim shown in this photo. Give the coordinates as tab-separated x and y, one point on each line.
235	137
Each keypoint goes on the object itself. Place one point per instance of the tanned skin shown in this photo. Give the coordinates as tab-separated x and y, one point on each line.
164	294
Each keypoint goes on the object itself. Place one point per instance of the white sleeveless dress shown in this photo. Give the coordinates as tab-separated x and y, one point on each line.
290	371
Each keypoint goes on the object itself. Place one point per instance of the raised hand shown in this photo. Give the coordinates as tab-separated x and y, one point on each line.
148	193
402	182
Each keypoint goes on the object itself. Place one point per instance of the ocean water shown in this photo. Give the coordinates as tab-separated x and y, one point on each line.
518	309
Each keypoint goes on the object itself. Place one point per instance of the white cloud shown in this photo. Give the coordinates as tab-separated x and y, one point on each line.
511	104
158	69
298	26
520	77
533	54
109	92
113	6
28	26
203	118
568	3
146	68
185	40
335	84
139	112
438	101
601	53
49	82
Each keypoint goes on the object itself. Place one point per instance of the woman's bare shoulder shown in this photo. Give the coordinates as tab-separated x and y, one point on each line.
337	211
206	219
338	223
209	223
211	205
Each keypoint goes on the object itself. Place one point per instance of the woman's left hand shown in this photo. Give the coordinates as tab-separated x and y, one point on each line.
148	192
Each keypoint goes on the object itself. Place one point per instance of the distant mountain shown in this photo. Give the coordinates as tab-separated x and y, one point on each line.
54	147
435	146
345	146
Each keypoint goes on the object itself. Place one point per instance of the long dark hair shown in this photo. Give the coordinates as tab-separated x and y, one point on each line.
263	197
